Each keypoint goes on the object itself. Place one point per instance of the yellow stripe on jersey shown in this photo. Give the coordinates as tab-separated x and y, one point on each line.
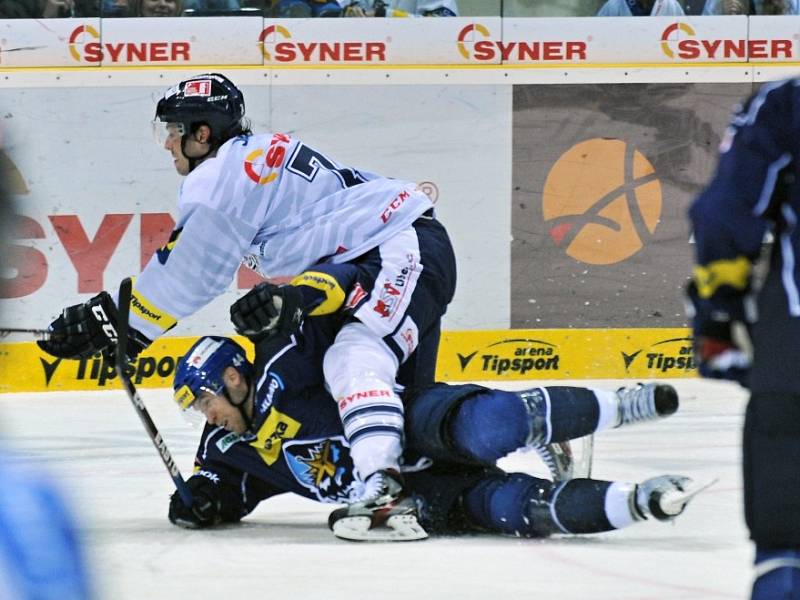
327	284
733	272
146	310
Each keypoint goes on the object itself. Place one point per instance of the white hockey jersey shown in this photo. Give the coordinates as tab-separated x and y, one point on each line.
275	204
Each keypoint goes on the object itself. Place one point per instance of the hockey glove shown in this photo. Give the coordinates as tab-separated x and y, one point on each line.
721	342
268	311
206	508
85	329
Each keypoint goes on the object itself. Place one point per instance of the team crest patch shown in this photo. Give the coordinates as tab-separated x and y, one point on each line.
322	466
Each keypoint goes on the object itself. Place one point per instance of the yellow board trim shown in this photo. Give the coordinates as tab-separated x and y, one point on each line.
463	356
733	272
327	284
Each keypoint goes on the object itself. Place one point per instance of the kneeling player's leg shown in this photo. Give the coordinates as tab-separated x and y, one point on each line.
527	506
481	424
771	454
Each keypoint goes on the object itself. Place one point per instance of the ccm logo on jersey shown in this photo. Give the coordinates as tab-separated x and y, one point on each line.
394	205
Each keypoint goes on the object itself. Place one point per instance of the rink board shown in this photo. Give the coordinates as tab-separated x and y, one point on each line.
500	355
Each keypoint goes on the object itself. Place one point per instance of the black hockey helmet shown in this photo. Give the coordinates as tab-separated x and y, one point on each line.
210	98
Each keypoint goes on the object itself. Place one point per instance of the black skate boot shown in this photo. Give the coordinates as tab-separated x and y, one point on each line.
645	402
385	513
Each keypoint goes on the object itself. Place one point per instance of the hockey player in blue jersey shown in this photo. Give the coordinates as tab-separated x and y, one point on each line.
279	206
272	428
747	328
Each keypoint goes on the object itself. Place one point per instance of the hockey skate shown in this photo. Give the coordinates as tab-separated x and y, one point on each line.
664	497
645	402
383	514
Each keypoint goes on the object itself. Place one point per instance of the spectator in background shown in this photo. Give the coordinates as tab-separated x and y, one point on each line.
777	7
400	8
48	9
157	8
212	7
116	8
303	9
641	8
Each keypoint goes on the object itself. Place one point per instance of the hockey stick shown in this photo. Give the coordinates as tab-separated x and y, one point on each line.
44	334
125	291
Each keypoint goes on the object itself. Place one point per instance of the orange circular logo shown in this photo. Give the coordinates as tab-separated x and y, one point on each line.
467	37
77	39
269	35
602	201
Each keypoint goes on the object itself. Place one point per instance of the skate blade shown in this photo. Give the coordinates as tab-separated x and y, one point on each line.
675	501
398	528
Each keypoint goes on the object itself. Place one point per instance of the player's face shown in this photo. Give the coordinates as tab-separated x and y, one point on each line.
194	146
173	144
220	412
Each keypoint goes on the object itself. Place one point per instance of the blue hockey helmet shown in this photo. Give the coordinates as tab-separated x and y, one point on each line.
201	368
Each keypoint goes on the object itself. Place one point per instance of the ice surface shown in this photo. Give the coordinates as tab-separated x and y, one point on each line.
96	445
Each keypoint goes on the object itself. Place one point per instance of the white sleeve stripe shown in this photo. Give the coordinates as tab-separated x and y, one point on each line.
769	183
787	254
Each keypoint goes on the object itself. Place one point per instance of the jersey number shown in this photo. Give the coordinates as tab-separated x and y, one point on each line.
306	162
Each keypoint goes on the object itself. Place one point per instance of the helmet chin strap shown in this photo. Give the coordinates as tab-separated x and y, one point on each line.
194	160
241	406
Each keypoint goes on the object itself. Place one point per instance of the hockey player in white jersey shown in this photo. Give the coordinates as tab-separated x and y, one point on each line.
281	207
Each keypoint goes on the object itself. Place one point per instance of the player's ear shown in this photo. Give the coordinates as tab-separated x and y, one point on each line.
231	377
203	134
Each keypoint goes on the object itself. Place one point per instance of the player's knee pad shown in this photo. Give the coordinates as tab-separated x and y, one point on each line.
771	459
427	411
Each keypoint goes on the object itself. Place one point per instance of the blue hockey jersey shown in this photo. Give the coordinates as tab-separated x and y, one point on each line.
299	445
755	189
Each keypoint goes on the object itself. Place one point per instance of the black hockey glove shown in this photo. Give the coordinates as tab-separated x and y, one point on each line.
721	341
206	508
85	329
268	311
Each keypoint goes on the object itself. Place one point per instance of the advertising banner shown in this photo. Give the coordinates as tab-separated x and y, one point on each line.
332	42
523	354
46	42
603	176
458	41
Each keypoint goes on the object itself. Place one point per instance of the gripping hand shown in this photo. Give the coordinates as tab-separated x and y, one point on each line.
206	508
721	342
85	329
268	311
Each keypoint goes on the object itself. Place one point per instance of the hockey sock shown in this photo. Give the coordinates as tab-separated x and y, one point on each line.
777	574
574	411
